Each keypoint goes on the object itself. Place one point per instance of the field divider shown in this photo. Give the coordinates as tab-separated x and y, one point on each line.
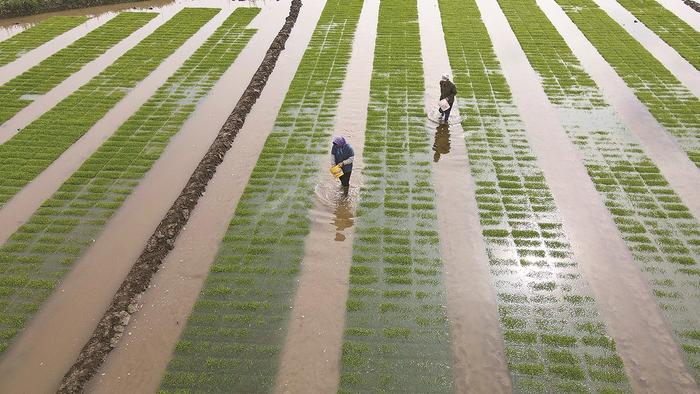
34	148
111	326
681	68
140	359
35	261
42	37
681	11
660	146
45	102
315	329
643	337
477	345
19	92
27	200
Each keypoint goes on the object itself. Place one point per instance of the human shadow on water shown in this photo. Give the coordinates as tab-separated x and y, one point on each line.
343	216
441	146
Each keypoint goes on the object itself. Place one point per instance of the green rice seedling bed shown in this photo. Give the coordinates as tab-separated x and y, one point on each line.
39	253
34	148
396	331
233	338
46	75
554	337
37	35
659	230
671	103
670	28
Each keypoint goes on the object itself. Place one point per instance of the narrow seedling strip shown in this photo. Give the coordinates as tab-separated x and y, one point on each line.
660	231
14	47
669	101
38	255
555	339
18	93
34	148
396	331
678	34
234	336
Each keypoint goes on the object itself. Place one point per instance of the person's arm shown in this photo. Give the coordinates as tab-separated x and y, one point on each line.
351	157
453	91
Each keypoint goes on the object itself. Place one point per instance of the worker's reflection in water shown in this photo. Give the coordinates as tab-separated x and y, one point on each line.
343	217
441	146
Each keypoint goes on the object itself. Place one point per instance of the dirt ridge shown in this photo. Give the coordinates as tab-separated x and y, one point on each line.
125	302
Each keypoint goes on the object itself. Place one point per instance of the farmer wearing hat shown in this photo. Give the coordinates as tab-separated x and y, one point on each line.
342	154
448	91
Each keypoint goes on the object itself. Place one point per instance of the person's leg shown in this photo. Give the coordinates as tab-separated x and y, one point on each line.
345	179
447	114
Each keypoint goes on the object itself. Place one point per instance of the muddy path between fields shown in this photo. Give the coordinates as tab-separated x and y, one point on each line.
652	358
685	72
658	144
35	56
477	346
681	11
139	361
317	322
20	208
53	339
43	103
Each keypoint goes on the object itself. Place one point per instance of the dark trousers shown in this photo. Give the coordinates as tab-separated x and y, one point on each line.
446	114
345	179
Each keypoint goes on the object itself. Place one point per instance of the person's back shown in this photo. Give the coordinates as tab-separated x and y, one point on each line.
448	91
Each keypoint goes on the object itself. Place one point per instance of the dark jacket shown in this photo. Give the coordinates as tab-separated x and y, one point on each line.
342	153
448	91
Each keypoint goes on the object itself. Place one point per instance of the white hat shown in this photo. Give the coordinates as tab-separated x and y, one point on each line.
445	77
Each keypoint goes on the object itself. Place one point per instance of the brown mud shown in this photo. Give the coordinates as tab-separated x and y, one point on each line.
138	363
658	144
52	341
125	302
477	346
652	358
20	208
692	4
36	55
685	72
316	326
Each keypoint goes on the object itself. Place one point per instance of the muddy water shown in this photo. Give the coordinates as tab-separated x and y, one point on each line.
36	55
477	346
315	331
651	356
139	361
686	73
49	345
683	12
20	208
43	103
673	162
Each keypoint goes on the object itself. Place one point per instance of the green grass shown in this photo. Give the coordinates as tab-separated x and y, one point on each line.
397	335
657	227
544	301
678	34
34	148
252	282
35	36
40	252
668	100
50	72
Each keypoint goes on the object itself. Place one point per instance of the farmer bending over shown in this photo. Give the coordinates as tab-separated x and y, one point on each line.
342	154
448	91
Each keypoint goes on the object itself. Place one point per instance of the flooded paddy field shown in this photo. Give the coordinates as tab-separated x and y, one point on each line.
546	239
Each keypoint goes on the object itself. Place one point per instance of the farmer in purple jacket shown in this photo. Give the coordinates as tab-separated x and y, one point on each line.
342	154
